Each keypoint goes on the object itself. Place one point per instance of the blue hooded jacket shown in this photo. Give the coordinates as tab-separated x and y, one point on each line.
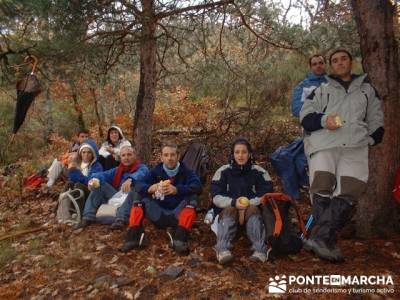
303	89
76	175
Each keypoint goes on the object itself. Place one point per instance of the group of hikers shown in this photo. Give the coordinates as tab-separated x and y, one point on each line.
341	115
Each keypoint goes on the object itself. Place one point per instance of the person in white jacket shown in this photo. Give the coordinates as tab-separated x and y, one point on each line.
110	149
341	119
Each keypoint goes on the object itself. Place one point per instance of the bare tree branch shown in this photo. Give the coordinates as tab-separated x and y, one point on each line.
192	8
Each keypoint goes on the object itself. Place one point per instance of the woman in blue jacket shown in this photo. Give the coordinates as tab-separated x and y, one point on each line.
83	165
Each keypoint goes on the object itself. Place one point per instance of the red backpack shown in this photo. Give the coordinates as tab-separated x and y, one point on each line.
396	190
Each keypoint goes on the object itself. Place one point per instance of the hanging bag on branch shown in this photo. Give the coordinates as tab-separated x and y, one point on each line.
27	89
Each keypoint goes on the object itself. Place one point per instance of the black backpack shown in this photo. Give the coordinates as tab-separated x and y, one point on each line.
196	159
280	234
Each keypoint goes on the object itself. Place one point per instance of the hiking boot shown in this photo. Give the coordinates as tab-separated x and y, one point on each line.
84	223
134	239
322	250
338	253
180	241
258	257
224	257
308	244
118	225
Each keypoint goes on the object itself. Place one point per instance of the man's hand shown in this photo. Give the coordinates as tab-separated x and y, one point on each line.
169	189
153	188
331	123
126	186
110	150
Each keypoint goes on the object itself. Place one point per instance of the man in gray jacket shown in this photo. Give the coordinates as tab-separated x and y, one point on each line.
341	118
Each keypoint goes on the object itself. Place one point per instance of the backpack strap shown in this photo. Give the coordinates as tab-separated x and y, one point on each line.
272	198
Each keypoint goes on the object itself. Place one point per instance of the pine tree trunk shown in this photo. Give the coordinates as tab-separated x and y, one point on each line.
376	212
145	102
48	109
96	111
78	108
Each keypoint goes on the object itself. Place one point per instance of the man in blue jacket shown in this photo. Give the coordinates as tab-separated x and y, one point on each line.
310	83
105	184
168	198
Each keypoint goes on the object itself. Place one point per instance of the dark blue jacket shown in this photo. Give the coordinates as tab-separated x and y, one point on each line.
75	175
303	89
232	181
290	164
186	182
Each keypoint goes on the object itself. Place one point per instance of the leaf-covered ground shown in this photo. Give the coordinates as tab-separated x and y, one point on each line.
59	263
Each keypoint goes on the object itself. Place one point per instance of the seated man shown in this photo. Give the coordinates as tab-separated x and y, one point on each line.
236	189
59	165
168	197
105	184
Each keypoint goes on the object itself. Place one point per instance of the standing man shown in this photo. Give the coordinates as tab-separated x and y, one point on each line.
310	83
342	118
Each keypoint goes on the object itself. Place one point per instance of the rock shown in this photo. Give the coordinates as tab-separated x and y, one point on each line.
172	272
102	281
193	262
146	293
121	281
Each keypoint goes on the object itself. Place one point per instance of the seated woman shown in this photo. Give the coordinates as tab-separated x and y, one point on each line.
236	188
110	149
82	166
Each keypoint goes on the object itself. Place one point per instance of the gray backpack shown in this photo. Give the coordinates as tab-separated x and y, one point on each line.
70	207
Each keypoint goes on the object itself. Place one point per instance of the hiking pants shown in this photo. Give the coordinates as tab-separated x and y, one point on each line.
227	227
338	177
55	170
339	172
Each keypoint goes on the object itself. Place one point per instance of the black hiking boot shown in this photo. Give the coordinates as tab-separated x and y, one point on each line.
180	240
118	225
134	239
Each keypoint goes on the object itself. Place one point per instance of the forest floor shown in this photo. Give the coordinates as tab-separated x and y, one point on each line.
57	262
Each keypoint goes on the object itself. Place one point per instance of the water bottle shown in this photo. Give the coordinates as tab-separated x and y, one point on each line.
209	218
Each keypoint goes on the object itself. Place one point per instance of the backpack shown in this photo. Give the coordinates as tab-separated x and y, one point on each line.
290	164
196	159
70	206
280	234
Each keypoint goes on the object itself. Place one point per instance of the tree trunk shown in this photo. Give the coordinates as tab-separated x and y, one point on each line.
77	107
48	109
376	210
96	111
145	102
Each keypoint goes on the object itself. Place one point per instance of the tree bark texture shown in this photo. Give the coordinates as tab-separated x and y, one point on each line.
146	98
376	213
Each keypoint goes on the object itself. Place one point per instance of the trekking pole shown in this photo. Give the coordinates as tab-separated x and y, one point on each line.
308	225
